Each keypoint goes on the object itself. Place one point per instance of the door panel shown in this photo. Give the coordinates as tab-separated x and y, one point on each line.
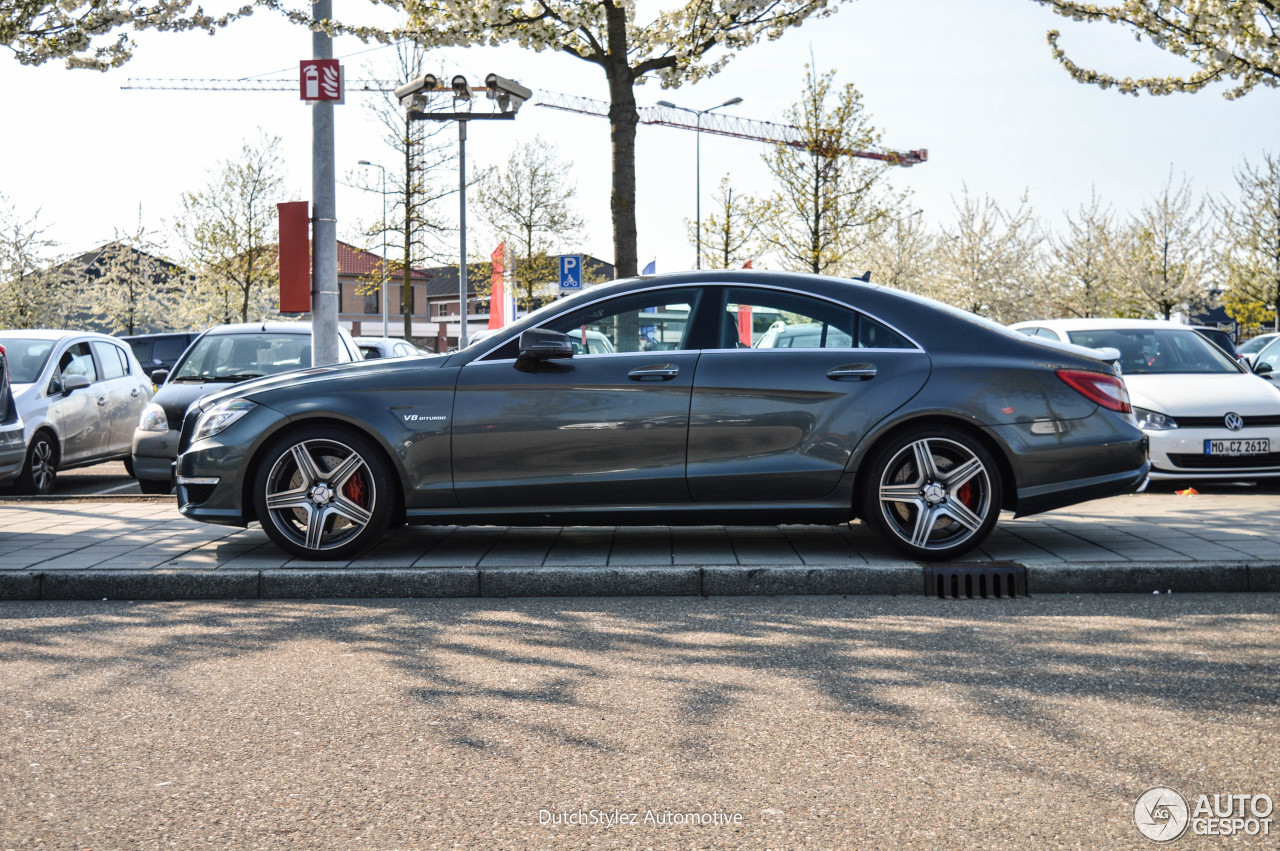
578	431
751	440
80	415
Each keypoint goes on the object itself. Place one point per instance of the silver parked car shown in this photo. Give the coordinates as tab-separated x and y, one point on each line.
79	395
372	348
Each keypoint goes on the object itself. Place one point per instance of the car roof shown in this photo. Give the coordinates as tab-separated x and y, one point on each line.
1108	324
54	334
262	328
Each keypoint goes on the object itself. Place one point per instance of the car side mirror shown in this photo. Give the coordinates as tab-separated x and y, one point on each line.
74	382
543	344
1263	368
159	376
540	344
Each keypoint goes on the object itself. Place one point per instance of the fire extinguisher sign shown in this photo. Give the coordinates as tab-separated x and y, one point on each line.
320	79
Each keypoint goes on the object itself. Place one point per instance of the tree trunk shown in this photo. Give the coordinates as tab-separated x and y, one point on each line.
623	120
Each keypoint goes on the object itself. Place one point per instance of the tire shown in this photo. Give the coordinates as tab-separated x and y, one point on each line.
40	470
323	493
932	492
128	467
155	487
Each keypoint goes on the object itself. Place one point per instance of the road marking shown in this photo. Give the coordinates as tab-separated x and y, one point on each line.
116	488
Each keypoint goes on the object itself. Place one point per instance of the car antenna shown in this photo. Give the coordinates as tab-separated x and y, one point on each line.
865	277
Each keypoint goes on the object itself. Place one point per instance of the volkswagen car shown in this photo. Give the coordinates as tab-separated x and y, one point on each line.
920	419
1207	416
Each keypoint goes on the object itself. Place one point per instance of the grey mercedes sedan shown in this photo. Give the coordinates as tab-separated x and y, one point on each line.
919	419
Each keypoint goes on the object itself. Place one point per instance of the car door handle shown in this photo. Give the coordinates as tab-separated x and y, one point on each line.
852	372
654	372
134	392
102	400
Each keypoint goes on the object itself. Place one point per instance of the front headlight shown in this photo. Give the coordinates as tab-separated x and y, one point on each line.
1154	420
221	417
153	419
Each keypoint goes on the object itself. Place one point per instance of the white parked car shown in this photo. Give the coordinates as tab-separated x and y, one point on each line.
386	347
1249	348
79	395
1207	417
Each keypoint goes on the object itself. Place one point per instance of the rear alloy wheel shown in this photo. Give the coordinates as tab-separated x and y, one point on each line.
323	493
40	471
932	492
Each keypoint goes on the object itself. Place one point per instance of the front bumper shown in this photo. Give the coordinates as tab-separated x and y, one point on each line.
1178	453
213	474
153	454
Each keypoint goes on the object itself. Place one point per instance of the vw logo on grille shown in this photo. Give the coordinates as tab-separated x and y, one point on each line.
1233	421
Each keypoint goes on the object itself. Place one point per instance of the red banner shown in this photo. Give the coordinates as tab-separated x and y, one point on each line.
498	289
295	257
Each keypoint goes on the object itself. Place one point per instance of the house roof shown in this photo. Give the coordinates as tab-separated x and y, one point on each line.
356	262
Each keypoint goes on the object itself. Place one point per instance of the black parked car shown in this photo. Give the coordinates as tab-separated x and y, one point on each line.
225	354
920	419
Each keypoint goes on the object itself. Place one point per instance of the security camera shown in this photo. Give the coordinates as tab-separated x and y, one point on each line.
501	85
425	83
460	88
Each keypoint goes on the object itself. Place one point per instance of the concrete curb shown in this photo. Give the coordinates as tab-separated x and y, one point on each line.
638	581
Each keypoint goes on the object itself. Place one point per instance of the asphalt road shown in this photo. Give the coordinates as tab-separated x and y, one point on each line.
821	722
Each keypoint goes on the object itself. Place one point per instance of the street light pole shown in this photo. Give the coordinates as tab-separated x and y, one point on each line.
508	95
384	242
697	166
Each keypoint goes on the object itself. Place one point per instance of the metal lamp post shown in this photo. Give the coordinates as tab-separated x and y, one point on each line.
384	242
508	96
698	160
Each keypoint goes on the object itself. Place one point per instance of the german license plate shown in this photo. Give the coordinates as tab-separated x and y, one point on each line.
1256	446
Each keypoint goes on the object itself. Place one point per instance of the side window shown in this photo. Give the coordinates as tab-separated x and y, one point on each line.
344	352
770	319
877	335
652	321
110	358
1046	333
76	360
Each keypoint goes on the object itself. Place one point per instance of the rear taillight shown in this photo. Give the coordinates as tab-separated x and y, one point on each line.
1105	390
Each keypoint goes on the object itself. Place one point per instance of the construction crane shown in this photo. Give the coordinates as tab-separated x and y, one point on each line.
729	125
715	123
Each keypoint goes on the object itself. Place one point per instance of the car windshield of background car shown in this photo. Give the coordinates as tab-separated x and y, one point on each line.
26	358
1257	344
239	357
1159	351
1270	355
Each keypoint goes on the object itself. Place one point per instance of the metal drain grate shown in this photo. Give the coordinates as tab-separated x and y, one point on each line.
975	581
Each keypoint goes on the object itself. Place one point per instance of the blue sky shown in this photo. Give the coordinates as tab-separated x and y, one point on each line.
970	80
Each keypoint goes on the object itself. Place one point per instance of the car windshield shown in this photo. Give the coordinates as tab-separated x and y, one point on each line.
26	358
1159	351
1257	344
239	357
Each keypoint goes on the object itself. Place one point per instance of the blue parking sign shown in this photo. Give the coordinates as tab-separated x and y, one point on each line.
570	271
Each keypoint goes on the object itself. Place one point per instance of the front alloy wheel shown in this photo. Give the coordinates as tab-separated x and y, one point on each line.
41	469
933	493
321	493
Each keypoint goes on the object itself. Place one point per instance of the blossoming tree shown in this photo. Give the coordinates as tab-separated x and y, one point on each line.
1225	39
678	45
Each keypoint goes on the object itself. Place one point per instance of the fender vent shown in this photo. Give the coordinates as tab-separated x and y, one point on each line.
975	581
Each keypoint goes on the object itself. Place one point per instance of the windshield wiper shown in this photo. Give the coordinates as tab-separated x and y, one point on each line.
239	376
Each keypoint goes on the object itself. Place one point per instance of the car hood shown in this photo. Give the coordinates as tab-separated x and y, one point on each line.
1203	395
256	387
176	398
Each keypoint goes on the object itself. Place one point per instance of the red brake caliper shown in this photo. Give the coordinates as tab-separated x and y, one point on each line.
356	489
966	495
